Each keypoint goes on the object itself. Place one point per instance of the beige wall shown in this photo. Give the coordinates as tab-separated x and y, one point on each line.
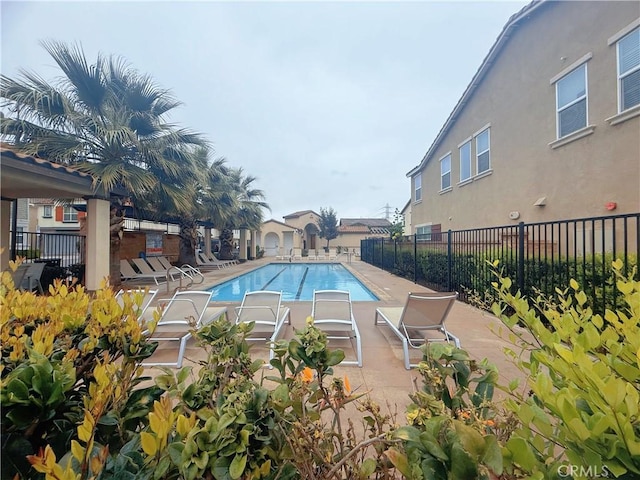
517	100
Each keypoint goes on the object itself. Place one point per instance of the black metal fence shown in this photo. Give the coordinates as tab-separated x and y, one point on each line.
60	249
538	257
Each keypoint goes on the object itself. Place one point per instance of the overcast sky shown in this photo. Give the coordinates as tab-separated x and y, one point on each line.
328	104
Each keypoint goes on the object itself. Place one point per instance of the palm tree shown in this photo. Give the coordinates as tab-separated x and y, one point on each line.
248	211
108	120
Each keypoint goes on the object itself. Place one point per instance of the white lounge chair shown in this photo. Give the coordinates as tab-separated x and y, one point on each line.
311	255
215	259
152	265
264	308
297	254
204	261
185	312
142	297
421	314
320	255
333	255
127	273
332	312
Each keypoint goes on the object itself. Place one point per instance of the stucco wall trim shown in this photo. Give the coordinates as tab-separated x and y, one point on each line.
583	132
624	116
632	26
585	58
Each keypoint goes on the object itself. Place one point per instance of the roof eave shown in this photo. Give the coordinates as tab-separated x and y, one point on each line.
477	79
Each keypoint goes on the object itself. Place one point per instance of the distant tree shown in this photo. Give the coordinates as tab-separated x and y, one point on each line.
397	227
328	224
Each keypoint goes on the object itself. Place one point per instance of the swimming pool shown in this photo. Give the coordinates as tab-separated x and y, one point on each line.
297	281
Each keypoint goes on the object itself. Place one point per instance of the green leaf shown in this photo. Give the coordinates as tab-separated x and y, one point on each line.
521	453
367	468
238	464
335	357
492	456
399	461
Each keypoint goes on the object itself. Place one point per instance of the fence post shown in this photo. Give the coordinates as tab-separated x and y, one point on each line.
521	257
415	258
449	260
395	254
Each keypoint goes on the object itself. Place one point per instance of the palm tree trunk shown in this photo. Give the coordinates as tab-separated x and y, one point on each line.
116	230
188	239
226	244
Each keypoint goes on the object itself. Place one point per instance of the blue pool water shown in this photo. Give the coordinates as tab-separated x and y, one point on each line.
297	281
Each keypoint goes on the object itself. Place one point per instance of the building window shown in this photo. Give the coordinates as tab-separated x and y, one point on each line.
423	233
629	70
483	153
69	214
571	101
417	182
47	211
465	161
19	235
445	172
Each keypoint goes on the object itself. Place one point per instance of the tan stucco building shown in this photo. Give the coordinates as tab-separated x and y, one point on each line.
300	230
548	128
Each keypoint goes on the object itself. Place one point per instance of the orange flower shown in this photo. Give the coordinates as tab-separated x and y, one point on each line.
307	375
347	386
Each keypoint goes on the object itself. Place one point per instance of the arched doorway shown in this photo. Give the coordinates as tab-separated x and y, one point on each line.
310	236
271	244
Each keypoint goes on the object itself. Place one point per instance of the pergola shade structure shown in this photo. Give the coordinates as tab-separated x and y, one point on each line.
25	176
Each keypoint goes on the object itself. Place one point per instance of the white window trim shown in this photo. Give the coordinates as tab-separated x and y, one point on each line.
70	215
470	178
44	211
475	137
429	224
415	188
573	136
623	33
486	127
624	116
619	77
564	107
443	188
566	71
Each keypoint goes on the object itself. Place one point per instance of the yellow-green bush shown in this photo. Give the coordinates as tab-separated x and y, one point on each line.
74	406
579	410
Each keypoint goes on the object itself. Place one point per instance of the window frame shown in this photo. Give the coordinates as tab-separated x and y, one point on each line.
479	153
621	76
47	211
417	188
444	187
467	142
427	234
585	97
69	214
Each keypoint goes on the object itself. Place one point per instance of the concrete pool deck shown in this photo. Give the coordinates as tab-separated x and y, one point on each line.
383	374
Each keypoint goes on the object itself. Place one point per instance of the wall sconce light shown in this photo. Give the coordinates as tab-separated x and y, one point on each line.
541	202
611	206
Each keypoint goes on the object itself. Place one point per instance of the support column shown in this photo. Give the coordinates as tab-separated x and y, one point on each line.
242	254
207	241
97	259
252	245
5	227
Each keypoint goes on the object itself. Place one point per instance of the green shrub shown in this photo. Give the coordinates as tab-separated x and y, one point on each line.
579	410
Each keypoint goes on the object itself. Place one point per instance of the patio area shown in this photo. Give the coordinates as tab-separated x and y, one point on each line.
383	374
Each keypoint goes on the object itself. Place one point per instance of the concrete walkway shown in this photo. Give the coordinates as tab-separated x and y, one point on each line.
383	374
